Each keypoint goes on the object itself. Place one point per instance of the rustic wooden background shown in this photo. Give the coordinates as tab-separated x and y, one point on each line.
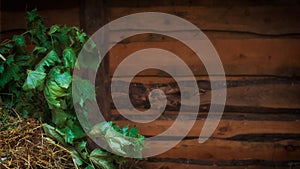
259	45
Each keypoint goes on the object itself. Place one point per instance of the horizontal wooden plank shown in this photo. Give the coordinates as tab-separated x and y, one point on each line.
187	165
149	3
224	150
255	19
211	34
278	57
14	20
262	115
255	96
226	128
204	81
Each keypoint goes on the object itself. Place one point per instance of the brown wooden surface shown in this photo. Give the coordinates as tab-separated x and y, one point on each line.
258	43
279	57
226	150
261	132
226	128
91	19
269	20
268	93
259	50
187	165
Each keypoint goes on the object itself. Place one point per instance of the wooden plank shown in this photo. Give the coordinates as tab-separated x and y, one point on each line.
225	150
225	129
272	96
271	20
278	57
232	81
187	165
93	15
263	115
268	96
209	3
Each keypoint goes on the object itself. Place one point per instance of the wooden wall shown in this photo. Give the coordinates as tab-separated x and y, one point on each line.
259	45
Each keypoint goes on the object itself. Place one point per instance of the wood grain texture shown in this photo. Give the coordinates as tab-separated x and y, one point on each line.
254	19
226	150
187	165
226	128
93	16
278	57
264	95
263	115
267	137
205	3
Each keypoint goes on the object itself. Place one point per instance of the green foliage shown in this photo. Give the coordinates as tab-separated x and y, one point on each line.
123	141
40	81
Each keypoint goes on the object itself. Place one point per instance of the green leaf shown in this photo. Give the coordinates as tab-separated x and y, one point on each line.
119	140
9	59
116	141
1	68
56	87
100	129
60	117
2	51
81	145
52	132
125	130
9	45
102	163
76	158
117	128
49	60
62	36
133	132
61	76
98	153
19	40
31	16
82	90
22	60
69	58
39	49
75	126
54	92
54	95
92	56
6	48
9	74
70	136
33	80
101	160
81	37
89	167
53	29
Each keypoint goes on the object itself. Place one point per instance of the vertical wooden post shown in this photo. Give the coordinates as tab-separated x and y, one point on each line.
93	15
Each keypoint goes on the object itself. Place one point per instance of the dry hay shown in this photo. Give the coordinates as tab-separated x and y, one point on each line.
23	144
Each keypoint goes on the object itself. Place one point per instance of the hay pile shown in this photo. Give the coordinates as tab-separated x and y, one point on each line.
23	144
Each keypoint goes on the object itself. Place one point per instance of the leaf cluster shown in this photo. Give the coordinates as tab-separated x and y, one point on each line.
36	79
